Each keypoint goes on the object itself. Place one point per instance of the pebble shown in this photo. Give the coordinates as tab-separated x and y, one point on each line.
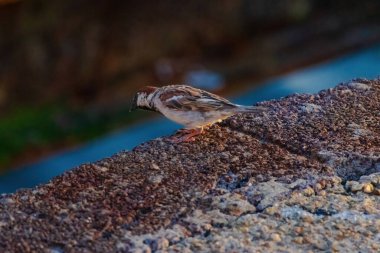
155	179
298	230
143	249
162	243
310	108
308	191
275	237
373	178
155	166
56	250
368	188
359	86
298	240
335	245
354	186
7	201
101	168
318	186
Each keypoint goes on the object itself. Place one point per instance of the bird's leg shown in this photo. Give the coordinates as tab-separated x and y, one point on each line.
188	136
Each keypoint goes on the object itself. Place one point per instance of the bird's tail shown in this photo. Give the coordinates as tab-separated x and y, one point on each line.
250	109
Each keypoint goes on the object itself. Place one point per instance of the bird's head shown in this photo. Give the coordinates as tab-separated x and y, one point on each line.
142	99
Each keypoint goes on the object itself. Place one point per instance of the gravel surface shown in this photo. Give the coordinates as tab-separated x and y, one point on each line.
303	176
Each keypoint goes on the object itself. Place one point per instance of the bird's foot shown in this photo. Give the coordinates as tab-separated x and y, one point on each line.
184	131
187	135
181	139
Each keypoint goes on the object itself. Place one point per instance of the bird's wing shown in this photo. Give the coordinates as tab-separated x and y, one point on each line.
186	98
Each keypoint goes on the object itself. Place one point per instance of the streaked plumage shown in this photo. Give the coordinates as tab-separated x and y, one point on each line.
188	106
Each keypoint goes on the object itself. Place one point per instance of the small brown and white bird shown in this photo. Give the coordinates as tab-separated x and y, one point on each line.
193	108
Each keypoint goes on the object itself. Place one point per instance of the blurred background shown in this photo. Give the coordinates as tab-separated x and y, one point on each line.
68	68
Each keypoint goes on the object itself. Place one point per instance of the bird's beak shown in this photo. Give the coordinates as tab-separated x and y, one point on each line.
133	104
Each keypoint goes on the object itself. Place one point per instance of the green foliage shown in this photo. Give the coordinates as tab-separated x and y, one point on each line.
45	126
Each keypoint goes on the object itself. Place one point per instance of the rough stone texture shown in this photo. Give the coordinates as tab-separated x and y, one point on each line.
339	126
303	176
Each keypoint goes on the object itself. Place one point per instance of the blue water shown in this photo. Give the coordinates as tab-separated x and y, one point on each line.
364	64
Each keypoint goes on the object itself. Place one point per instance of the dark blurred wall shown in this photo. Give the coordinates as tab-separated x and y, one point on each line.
86	50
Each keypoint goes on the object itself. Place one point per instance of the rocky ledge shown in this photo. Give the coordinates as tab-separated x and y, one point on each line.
303	176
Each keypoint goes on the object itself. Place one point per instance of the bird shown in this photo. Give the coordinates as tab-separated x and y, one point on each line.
193	108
